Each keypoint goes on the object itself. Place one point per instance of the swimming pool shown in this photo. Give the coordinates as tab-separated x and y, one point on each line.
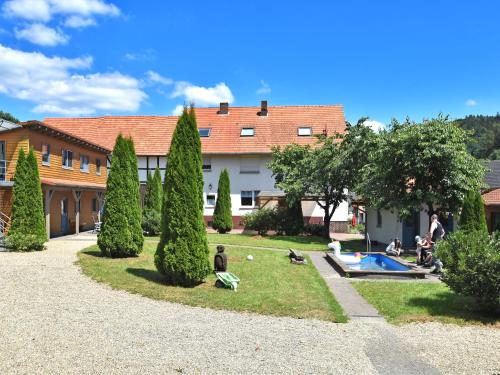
377	262
373	264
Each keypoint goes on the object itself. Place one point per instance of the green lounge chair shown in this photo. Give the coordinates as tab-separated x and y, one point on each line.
226	280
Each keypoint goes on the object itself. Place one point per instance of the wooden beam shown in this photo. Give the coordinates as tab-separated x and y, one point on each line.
77	194
48	198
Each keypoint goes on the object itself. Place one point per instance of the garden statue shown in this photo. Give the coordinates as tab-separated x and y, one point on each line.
220	260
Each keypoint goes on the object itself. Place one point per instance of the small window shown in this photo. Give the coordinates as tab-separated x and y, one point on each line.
249	198
249	165
247	132
45	154
204	132
210	199
207	164
98	167
67	159
304	131
94	205
379	219
84	163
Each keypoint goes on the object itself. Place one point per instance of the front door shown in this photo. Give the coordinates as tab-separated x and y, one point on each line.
411	227
3	162
64	216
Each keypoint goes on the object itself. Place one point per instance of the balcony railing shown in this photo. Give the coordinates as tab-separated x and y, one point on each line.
3	170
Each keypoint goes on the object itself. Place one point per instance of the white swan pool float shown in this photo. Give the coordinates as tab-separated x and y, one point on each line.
347	259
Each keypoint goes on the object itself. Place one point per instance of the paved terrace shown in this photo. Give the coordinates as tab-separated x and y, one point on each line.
54	320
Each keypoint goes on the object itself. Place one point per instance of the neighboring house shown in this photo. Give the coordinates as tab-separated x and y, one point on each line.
384	225
236	138
491	195
72	170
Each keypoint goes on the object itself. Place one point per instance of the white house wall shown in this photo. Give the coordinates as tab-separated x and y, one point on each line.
389	229
261	181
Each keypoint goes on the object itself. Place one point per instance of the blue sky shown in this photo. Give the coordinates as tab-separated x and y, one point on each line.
380	59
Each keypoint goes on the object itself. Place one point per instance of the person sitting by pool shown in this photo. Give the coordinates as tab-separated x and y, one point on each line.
423	245
394	248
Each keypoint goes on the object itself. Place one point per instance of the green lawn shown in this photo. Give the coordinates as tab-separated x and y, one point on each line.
269	284
278	242
402	302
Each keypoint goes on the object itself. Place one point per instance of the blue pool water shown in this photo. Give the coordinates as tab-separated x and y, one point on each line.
377	262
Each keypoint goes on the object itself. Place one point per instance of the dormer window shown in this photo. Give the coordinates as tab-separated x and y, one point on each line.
304	131
204	132
247	132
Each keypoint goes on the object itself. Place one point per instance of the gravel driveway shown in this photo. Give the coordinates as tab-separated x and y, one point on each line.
53	319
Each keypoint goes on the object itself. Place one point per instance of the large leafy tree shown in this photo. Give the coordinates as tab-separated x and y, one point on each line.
223	221
472	217
413	164
116	238
27	231
182	253
324	172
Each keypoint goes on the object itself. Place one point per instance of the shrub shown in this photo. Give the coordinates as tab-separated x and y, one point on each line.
116	239
262	220
473	217
27	232
182	253
223	220
289	219
314	229
472	265
151	222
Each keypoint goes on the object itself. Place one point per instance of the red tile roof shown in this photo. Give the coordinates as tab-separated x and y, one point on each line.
492	197
152	134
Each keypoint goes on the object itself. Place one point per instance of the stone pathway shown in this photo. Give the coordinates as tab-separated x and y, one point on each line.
353	304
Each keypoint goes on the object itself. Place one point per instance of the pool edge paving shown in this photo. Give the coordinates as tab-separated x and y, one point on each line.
355	306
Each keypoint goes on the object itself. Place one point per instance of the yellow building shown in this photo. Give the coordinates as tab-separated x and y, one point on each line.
73	175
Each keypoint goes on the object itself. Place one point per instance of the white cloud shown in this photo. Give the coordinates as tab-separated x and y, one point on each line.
376	126
155	77
42	35
44	10
50	84
471	103
264	88
33	10
177	111
203	96
79	22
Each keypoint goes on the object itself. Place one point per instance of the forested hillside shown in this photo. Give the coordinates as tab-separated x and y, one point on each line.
485	142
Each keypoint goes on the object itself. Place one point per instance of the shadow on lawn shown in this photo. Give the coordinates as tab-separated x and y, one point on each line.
152	275
455	306
93	253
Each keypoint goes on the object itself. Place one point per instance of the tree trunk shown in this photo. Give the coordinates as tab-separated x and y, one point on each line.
326	224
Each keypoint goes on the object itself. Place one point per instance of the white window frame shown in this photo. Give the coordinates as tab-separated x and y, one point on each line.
205	164
304	131
46	163
98	166
207	129
247	132
214	199
254	194
84	157
70	159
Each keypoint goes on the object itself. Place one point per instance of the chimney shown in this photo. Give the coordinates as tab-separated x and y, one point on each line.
223	108
263	108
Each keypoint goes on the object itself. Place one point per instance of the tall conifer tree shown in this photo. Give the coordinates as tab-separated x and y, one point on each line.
115	239
182	254
27	230
223	220
473	216
133	195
